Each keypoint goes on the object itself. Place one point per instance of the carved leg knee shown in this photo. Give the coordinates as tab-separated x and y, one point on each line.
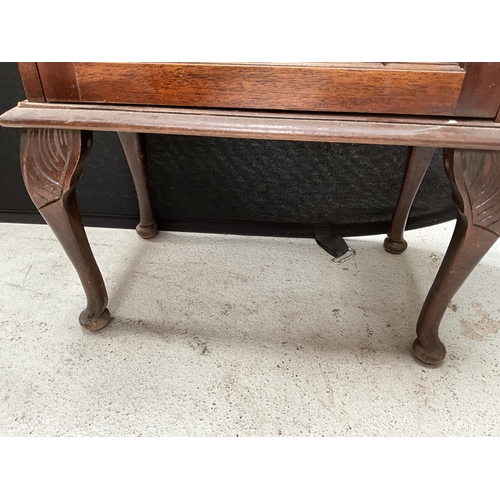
51	163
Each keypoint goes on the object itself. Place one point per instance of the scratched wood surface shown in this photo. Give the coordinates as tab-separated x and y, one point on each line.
409	131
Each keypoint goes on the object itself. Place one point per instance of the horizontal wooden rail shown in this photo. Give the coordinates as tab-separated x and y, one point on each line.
362	129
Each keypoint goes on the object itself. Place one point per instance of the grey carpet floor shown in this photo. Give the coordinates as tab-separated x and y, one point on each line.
229	335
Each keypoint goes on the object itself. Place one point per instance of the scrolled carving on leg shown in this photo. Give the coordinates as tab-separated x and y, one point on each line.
51	164
475	180
417	164
135	151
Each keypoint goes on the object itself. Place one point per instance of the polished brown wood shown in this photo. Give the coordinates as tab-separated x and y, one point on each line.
59	79
480	96
434	90
31	81
247	124
422	120
419	159
135	152
475	181
51	163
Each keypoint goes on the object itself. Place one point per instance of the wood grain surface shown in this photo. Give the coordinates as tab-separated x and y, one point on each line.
425	89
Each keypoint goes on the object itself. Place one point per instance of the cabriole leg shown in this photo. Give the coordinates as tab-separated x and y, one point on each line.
51	164
417	164
135	151
475	181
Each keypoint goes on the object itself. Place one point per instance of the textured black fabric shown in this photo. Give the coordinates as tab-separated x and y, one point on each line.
287	182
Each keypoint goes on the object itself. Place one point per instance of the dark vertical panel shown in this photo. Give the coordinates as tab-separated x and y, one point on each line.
13	195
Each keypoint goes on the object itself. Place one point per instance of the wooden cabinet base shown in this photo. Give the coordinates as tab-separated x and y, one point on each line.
57	138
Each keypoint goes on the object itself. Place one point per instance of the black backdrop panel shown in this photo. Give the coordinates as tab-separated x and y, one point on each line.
13	195
234	185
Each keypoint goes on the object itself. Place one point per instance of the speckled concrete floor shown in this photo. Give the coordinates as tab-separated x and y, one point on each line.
229	335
